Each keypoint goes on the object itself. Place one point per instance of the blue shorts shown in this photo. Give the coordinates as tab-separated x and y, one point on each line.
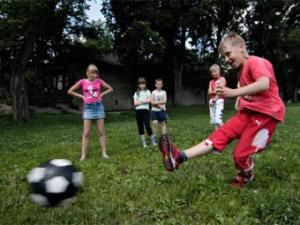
159	115
93	111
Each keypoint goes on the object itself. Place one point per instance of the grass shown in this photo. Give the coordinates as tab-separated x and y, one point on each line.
133	188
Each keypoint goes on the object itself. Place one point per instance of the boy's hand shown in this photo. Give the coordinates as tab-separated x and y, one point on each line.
227	92
248	97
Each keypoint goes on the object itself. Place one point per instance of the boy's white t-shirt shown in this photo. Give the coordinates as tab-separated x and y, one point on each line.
141	96
159	95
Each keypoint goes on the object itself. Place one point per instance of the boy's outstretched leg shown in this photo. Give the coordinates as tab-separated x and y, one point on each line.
173	157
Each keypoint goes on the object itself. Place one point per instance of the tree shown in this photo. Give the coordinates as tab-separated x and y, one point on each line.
170	25
24	25
271	29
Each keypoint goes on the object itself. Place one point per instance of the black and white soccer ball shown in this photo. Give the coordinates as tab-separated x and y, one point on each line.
54	182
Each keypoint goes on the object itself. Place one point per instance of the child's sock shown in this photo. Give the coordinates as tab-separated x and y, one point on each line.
143	141
182	157
246	173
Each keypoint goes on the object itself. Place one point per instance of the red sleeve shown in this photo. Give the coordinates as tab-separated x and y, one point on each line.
260	68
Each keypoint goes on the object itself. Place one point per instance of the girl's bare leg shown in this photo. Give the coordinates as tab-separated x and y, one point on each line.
102	138
87	124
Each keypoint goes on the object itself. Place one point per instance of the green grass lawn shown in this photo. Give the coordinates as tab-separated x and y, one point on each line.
133	187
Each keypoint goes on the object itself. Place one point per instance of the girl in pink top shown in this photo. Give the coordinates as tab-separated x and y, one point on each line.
216	102
93	108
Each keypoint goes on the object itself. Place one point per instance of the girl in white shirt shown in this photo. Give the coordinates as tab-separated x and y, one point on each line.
141	100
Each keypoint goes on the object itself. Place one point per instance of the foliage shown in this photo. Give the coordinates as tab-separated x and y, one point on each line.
200	25
133	188
58	47
175	40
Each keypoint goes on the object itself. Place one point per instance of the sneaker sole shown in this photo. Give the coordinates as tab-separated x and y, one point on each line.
168	161
242	186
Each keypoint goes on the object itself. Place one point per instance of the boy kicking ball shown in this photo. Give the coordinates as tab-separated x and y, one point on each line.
259	110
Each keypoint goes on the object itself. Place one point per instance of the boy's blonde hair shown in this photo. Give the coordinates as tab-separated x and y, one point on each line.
159	80
233	38
215	66
92	68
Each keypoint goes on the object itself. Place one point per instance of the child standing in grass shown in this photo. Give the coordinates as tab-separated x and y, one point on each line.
216	102
141	101
158	111
260	108
93	108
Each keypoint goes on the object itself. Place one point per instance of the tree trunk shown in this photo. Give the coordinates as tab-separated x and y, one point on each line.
178	69
20	105
295	85
178	64
18	89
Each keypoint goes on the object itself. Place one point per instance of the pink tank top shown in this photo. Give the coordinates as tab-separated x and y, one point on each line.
91	90
213	84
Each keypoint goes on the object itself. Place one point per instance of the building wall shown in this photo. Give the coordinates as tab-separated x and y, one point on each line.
121	97
189	97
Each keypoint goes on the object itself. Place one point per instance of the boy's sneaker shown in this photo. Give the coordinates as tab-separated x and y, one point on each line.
145	145
170	153
241	180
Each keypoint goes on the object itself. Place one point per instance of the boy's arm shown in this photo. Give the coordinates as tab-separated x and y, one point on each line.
157	103
161	103
152	101
164	101
236	105
258	86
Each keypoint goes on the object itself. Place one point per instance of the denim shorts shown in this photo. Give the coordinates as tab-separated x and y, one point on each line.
159	115
93	110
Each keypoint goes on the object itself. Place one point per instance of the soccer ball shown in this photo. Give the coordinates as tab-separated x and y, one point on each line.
54	182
